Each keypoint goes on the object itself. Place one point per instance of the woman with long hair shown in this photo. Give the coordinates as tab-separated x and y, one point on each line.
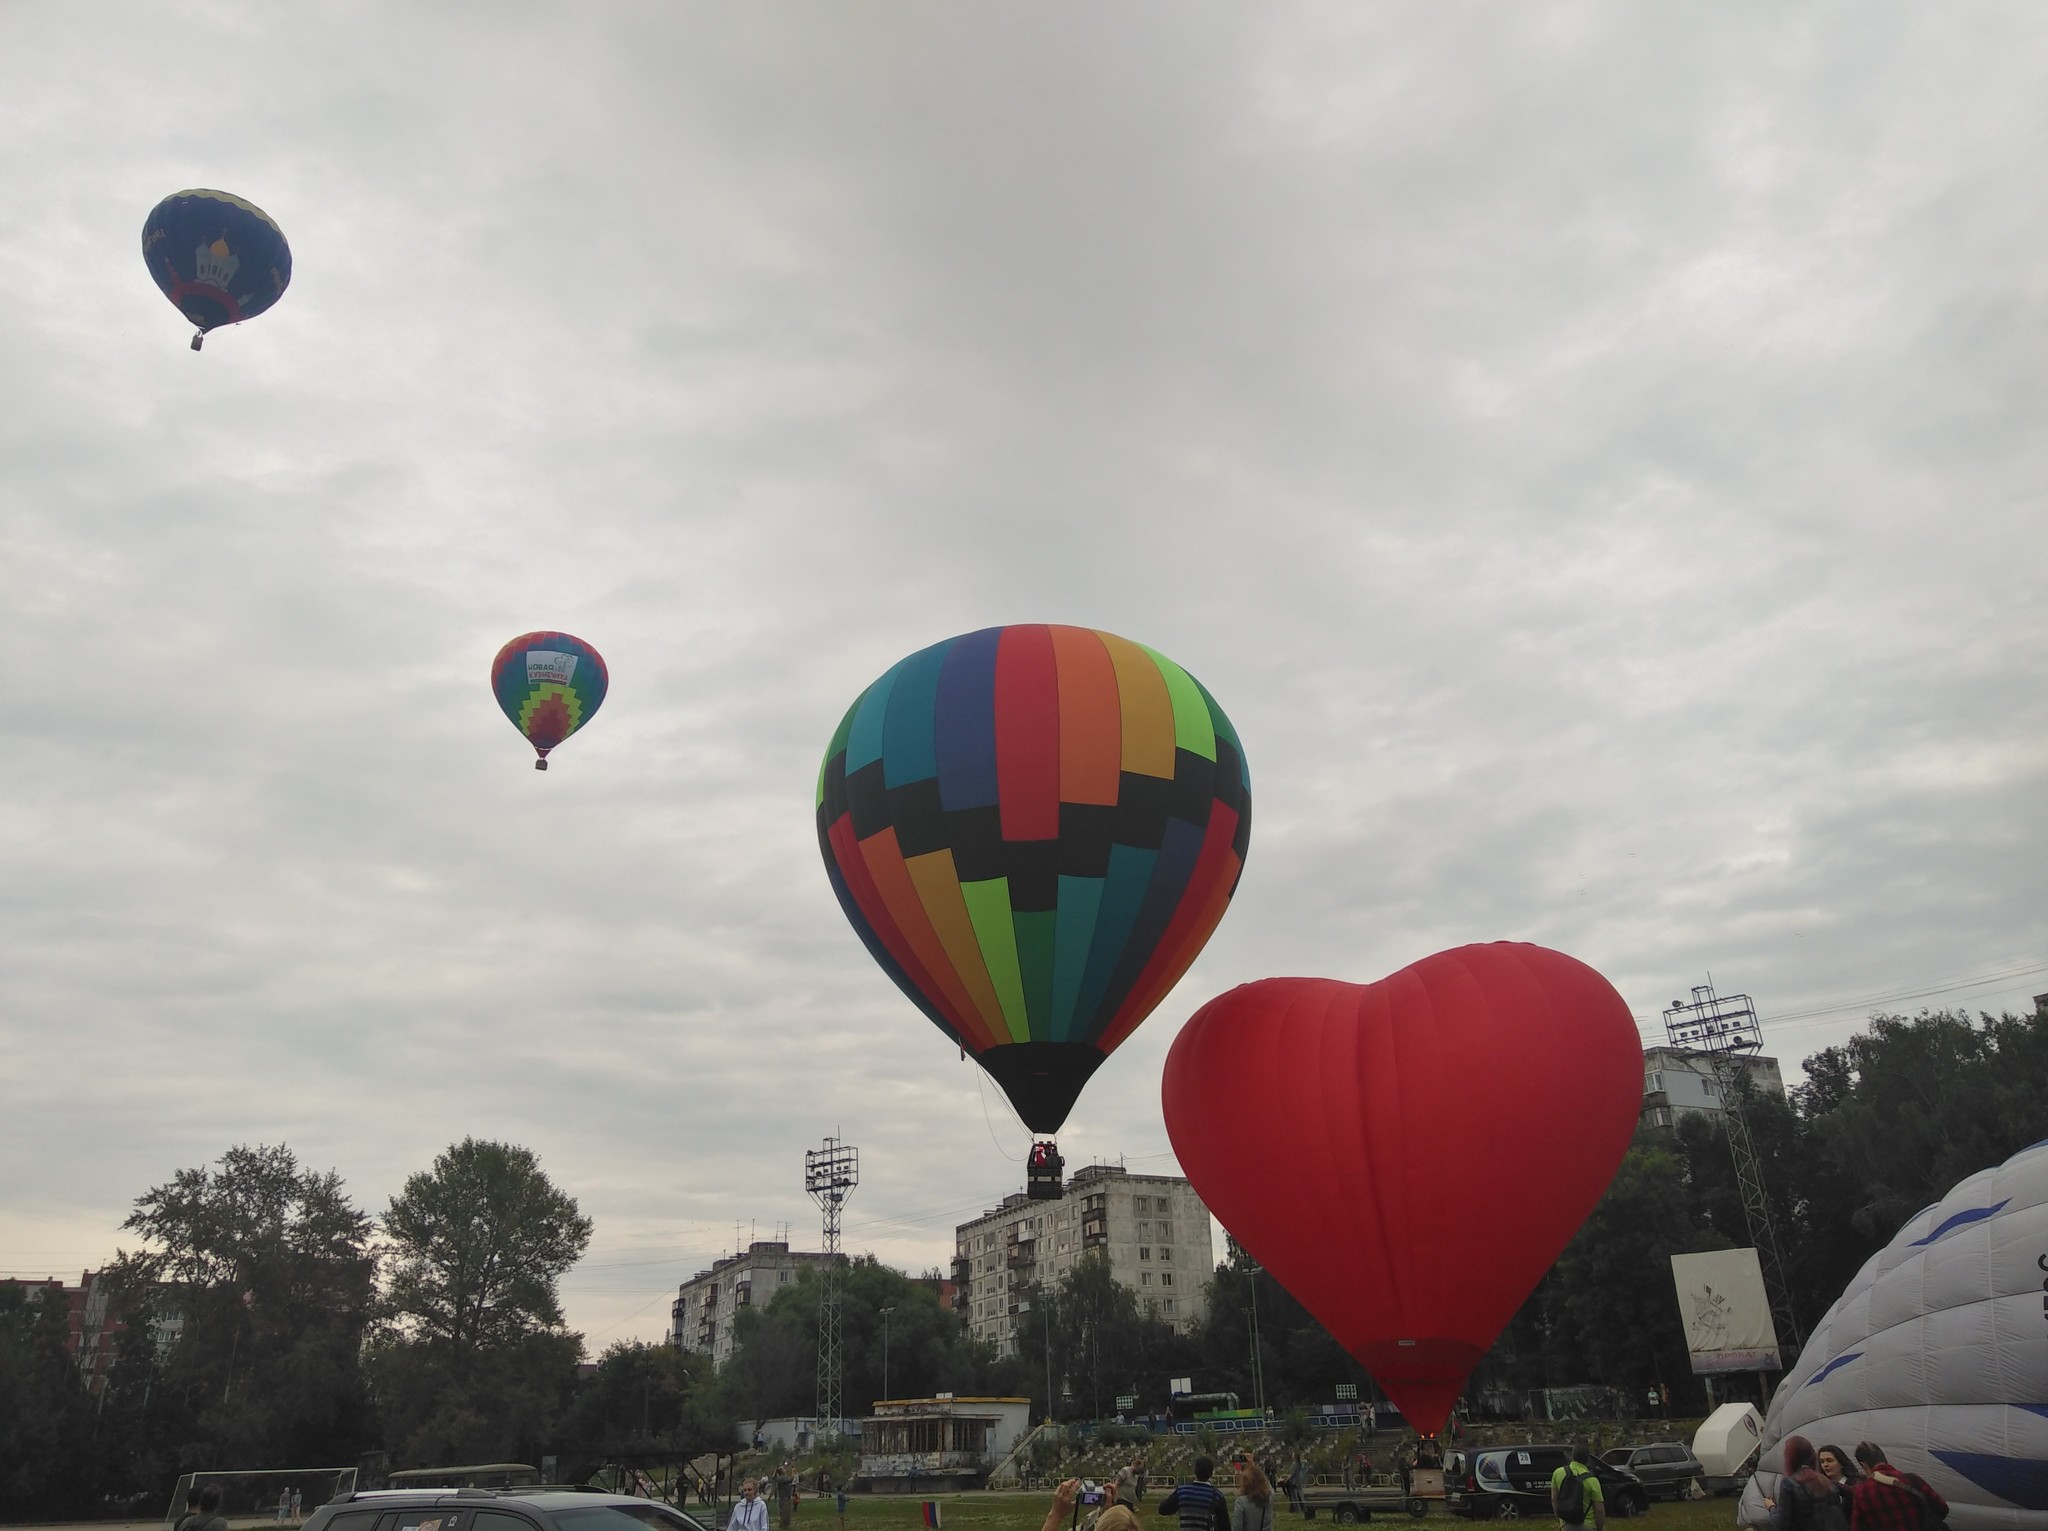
1254	1508
1840	1469
1807	1501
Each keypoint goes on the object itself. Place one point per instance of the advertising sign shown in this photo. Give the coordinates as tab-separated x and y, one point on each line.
1726	1312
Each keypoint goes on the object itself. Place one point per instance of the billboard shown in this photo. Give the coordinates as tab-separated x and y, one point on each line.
1727	1315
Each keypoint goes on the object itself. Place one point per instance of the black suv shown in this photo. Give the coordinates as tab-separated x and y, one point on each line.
1509	1482
483	1509
1665	1467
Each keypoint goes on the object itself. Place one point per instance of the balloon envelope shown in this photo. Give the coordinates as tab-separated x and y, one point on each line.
1409	1157
219	259
1034	830
550	685
1938	1352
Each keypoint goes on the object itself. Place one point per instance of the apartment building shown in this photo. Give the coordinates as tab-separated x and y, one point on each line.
702	1315
1153	1229
1678	1083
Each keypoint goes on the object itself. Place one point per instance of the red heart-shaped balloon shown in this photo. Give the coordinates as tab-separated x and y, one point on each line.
1409	1157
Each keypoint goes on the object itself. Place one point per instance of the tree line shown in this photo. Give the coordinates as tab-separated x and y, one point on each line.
269	1321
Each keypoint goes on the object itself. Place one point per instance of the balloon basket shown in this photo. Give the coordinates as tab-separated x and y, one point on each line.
199	340
540	765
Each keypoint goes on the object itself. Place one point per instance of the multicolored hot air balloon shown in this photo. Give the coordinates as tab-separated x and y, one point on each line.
550	685
1034	830
219	259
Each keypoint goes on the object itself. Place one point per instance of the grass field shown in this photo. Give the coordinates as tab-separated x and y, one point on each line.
1026	1512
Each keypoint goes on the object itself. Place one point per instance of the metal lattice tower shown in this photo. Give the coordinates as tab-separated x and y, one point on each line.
830	1174
1723	1029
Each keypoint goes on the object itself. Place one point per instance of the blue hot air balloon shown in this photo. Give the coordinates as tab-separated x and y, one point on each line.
219	259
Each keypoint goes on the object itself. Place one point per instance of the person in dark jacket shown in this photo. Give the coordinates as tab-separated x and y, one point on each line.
1199	1504
1806	1501
1890	1500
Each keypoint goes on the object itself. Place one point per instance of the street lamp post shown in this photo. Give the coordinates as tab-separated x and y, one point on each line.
885	1350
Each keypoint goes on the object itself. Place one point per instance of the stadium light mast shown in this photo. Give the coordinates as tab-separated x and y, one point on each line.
830	1174
1723	1029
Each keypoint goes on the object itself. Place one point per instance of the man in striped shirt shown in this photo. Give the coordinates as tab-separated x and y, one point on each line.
1199	1504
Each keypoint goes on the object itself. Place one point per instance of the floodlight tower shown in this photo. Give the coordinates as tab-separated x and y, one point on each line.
1723	1029
830	1174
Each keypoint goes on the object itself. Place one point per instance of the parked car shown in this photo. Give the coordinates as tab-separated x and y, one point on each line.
475	1509
1666	1468
1509	1482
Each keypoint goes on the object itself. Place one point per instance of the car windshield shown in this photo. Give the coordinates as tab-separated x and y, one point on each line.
622	1517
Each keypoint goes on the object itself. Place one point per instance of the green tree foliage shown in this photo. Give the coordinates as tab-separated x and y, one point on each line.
774	1369
472	1362
263	1273
476	1247
1099	1341
46	1454
645	1401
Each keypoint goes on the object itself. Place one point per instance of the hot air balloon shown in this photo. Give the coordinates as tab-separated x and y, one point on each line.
219	259
1034	829
1409	1157
1938	1352
550	685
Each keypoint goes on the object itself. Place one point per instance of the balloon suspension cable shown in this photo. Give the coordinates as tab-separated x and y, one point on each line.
198	339
983	1093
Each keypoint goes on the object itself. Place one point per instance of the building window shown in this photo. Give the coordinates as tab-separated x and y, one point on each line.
1166	1254
1144	1278
1144	1230
1166	1278
1169	1304
1166	1233
1144	1253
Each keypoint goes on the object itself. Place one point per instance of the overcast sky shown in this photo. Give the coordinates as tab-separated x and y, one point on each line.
1595	453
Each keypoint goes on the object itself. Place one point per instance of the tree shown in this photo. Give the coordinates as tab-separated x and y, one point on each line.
472	1362
476	1247
45	1419
263	1272
646	1401
774	1368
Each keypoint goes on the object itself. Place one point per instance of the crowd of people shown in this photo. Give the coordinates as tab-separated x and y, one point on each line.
1197	1505
1829	1489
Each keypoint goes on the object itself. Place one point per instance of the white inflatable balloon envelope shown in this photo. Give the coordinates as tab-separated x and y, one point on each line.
1938	1352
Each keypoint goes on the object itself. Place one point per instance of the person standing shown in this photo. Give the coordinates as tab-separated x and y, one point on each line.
1297	1482
1199	1504
1890	1500
1806	1501
298	1507
748	1512
1575	1494
839	1503
1254	1508
1840	1469
1127	1483
284	1504
210	1517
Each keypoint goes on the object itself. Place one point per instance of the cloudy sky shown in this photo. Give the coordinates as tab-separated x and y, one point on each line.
1594	452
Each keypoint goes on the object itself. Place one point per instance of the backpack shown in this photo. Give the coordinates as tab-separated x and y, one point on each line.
1571	1494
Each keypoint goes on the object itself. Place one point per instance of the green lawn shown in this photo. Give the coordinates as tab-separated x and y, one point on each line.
1026	1512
